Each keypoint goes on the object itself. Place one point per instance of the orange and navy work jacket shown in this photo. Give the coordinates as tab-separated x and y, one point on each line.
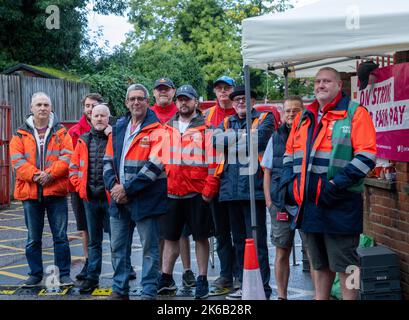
26	160
145	178
324	206
189	158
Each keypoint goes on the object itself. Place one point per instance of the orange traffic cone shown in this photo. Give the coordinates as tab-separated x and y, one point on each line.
252	287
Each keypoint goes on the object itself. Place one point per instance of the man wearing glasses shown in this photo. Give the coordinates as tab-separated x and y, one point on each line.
222	88
135	178
230	139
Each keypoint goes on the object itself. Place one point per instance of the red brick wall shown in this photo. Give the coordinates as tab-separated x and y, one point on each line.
386	218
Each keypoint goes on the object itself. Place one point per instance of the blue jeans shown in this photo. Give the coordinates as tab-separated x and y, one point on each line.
122	229
96	212
240	222
57	214
225	249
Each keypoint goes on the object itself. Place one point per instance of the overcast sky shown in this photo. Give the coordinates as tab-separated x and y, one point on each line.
114	28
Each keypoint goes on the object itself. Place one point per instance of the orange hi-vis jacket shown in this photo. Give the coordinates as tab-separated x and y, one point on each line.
145	179
216	114
79	169
326	207
25	159
190	161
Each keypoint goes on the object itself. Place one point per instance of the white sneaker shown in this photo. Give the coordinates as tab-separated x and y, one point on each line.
236	295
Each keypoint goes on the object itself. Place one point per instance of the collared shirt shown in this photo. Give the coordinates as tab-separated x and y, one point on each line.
127	143
267	163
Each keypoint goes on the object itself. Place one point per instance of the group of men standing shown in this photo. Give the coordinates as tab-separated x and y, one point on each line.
173	171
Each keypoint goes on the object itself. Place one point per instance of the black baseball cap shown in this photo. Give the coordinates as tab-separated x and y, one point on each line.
364	70
164	82
188	91
240	91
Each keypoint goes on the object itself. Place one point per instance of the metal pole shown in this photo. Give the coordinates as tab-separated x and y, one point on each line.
286	83
250	148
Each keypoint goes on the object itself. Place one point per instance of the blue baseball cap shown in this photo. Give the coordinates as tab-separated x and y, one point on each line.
188	91
225	79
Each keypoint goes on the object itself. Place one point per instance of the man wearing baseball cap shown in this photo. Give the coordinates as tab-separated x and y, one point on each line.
191	186
164	107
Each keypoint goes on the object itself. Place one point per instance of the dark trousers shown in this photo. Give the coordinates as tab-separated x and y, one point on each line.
240	222
225	249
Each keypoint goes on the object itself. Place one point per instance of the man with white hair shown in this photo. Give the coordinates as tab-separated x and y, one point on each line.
86	175
40	154
134	175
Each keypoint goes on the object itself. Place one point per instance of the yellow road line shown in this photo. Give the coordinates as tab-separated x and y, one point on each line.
13	275
11	214
11	219
11	248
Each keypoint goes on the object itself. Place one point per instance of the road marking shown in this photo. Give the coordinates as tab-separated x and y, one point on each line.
13	275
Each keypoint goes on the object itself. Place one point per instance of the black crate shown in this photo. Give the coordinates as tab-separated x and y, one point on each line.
380	273
379	286
377	256
381	296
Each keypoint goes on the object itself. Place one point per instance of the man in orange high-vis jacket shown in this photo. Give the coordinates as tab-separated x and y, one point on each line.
330	149
191	186
135	177
83	126
86	175
229	273
40	154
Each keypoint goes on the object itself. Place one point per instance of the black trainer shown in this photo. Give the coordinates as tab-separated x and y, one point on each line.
188	279
32	281
88	286
132	274
166	284
202	288
83	273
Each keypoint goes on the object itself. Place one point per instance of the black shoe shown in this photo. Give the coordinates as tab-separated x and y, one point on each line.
83	273
88	286
32	281
118	296
188	279
166	284
202	288
132	274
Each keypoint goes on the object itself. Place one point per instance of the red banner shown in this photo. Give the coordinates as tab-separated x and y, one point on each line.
387	100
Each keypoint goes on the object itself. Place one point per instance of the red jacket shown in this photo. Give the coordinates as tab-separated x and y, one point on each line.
216	114
75	132
190	173
79	129
164	114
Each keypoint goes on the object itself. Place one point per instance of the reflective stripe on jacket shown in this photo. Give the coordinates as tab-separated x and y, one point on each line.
326	207
190	167
25	160
234	175
145	178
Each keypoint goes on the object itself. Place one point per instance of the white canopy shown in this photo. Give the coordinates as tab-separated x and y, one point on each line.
326	29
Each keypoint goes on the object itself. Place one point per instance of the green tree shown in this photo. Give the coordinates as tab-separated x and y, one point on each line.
144	65
210	28
25	38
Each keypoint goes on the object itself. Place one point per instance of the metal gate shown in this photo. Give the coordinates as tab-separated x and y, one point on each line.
5	137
